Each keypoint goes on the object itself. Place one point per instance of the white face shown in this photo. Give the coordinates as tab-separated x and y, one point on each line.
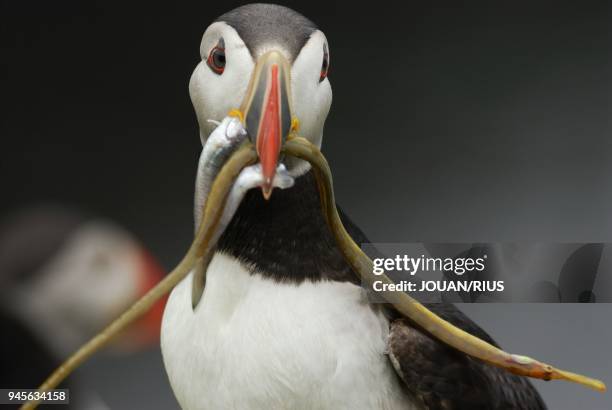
214	94
97	273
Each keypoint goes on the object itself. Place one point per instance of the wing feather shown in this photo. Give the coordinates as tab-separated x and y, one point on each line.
443	378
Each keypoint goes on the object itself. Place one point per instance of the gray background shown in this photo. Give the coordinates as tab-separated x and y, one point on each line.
449	124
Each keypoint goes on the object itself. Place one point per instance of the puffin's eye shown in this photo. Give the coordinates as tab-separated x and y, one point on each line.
216	59
325	64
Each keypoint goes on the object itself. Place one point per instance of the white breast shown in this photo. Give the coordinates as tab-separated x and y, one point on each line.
256	344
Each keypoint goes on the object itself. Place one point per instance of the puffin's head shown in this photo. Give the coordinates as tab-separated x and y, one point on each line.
270	63
75	273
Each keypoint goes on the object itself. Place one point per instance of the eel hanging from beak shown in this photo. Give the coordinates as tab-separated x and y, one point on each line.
203	246
439	328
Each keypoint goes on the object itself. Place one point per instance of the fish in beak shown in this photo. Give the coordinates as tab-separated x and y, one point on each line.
267	112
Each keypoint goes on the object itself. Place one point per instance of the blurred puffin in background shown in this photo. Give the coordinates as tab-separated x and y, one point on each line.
63	276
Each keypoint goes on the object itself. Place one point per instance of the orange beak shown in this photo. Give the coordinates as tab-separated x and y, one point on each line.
267	113
145	333
152	274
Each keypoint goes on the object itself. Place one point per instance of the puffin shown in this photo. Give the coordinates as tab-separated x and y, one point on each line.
283	322
64	273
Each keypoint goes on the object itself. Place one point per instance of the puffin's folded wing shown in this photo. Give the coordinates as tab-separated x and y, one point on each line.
442	377
446	379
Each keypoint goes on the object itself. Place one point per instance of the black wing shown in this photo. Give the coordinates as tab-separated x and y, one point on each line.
446	379
443	378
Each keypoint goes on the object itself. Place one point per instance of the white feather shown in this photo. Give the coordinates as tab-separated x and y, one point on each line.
253	343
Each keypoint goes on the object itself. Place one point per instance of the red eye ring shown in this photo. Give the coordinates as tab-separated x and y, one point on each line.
324	65
323	75
216	60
